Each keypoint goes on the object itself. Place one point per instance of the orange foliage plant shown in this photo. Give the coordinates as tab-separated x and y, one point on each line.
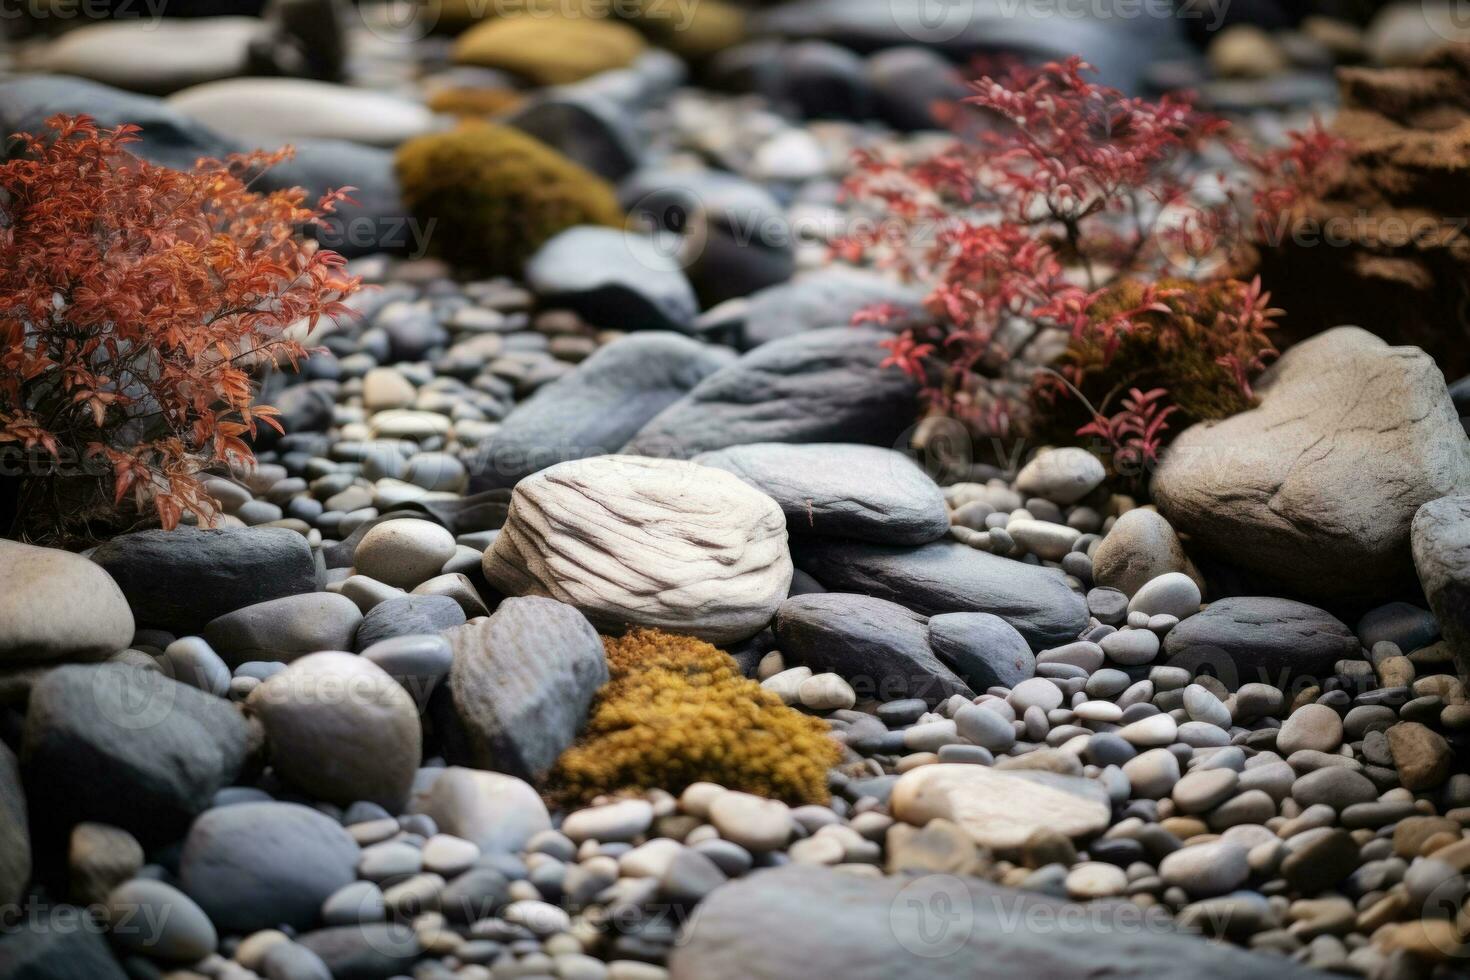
135	302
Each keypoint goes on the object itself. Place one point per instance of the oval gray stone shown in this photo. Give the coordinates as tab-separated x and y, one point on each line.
521	685
842	490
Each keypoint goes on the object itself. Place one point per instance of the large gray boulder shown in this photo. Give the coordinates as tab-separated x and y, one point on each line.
129	747
636	541
179	580
879	647
819	922
1258	639
1441	542
598	407
55	605
521	685
1285	490
947	577
842	490
822	386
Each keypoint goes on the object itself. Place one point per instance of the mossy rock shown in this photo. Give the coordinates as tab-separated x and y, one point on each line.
478	103
495	195
693	31
549	50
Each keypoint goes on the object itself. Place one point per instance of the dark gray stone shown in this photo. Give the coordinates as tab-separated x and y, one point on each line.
1121	47
60	944
590	129
946	577
614	279
477	894
285	628
824	80
377	221
1408	626
819	922
292	961
909	82
15	839
305	407
736	238
521	685
983	649
879	647
822	386
1250	639
129	747
598	407
828	297
407	615
260	865
374	951
179	580
1441	542
168	137
842	490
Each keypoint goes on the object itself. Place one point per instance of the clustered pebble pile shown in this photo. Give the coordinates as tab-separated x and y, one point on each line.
1312	816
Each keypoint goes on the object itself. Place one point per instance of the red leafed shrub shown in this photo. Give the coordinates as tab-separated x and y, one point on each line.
1081	213
134	302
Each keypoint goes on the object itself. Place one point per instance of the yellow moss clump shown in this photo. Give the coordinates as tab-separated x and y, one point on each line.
549	50
475	103
496	195
693	31
677	711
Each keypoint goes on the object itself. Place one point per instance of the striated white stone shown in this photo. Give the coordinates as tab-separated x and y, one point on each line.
1000	809
634	540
